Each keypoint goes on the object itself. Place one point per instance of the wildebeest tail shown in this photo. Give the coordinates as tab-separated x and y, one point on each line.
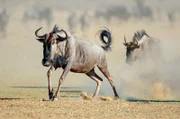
106	33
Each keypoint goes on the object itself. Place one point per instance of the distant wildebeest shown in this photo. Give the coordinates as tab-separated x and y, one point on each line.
38	14
142	46
4	18
79	56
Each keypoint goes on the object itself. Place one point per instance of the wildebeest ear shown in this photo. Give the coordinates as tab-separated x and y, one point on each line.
40	40
60	37
125	44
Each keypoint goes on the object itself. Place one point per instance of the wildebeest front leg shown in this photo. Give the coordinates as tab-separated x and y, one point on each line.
63	76
50	90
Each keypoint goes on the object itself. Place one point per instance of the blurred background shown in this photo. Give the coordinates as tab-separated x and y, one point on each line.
21	54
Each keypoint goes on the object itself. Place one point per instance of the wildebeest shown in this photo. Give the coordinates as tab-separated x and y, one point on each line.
38	14
4	18
79	56
142	46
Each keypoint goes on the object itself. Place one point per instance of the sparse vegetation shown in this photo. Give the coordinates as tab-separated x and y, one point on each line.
28	104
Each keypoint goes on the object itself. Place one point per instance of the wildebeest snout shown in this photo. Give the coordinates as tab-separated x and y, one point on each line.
46	62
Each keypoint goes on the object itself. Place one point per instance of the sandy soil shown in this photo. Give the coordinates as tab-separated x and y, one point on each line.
24	103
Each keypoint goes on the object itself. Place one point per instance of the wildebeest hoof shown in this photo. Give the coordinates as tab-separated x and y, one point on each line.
51	95
116	98
55	99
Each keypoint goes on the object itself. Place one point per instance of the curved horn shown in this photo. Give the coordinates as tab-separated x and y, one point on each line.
39	36
125	40
62	38
125	43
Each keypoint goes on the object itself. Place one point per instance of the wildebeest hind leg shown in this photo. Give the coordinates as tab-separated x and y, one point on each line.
106	73
92	74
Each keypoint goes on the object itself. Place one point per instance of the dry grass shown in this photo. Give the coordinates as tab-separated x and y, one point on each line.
27	104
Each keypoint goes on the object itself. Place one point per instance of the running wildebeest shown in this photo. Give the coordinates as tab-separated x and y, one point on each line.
142	46
79	56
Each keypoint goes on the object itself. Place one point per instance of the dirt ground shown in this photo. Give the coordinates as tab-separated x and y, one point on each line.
24	103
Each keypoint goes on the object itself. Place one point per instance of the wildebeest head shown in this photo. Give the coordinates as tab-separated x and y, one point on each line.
50	41
135	48
131	48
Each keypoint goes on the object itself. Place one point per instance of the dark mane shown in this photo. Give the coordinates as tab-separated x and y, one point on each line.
139	34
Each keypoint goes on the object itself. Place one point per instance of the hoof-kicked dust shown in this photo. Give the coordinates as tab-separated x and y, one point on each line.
105	98
161	91
85	96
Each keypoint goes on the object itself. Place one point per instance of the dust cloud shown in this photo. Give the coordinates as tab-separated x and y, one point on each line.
149	77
